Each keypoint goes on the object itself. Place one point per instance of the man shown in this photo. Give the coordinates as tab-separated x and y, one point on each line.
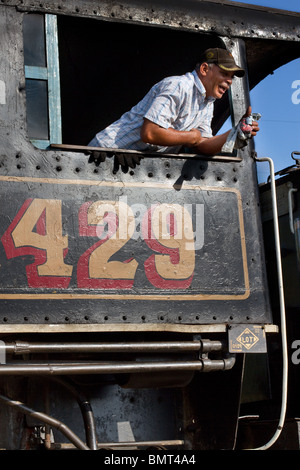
177	112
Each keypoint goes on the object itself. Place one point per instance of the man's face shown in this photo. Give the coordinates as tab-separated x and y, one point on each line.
216	80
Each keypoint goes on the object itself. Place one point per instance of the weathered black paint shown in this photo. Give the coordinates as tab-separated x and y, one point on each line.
222	261
204	414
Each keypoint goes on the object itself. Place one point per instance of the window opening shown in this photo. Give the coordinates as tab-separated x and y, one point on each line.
76	85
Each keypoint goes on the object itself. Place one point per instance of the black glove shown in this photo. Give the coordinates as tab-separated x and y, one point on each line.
127	159
97	156
123	159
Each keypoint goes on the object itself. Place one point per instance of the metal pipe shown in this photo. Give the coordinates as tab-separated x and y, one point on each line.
65	430
218	364
282	309
209	346
85	408
118	445
47	408
204	365
290	202
24	347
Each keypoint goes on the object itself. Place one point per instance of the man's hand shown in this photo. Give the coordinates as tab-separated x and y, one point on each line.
124	159
254	125
195	137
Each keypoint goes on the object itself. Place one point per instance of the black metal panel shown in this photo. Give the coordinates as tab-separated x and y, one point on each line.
195	271
228	283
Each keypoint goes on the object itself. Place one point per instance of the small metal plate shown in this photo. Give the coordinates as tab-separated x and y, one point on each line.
247	339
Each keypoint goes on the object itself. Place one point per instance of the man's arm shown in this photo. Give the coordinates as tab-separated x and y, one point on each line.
152	133
211	145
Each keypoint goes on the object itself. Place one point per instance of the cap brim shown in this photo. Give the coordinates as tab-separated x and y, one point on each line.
238	71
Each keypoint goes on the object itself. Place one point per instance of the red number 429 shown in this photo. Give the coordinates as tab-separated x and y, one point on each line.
167	229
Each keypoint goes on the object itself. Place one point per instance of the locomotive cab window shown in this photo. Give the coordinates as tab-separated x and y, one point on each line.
82	74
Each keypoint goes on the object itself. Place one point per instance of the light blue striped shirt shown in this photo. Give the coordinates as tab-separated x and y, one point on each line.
179	102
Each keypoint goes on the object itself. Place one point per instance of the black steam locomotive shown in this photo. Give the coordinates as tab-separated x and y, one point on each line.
136	308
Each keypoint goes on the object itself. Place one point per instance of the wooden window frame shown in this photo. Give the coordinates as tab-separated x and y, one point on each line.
51	75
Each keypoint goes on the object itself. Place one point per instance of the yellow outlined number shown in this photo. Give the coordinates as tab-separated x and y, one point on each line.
37	231
167	229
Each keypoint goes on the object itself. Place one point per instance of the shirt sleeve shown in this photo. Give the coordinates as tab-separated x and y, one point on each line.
165	104
205	131
205	126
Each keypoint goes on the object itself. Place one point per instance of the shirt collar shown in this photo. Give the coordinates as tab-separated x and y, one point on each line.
200	87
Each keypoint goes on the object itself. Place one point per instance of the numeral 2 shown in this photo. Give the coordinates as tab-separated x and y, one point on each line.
94	268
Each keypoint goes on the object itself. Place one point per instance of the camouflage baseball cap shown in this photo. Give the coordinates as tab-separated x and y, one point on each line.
224	59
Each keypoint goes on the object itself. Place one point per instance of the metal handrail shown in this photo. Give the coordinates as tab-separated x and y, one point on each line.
282	308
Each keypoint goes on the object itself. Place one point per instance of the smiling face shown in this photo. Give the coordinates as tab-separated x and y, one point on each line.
216	81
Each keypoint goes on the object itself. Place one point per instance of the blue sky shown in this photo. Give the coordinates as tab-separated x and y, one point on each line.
279	104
